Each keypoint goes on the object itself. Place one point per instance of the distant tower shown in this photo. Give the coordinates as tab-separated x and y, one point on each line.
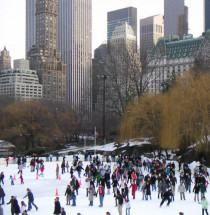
123	35
114	18
30	24
5	60
151	29
207	14
175	18
75	44
44	56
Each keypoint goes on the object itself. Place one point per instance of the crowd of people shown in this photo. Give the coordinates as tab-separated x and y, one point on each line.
124	177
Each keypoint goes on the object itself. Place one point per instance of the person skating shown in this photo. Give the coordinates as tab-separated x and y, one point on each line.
2	195
57	209
204	203
68	195
101	195
2	178
166	196
15	208
92	193
181	190
21	178
133	187
30	199
42	171
1	210
63	212
196	191
23	207
127	207
120	203
12	180
57	171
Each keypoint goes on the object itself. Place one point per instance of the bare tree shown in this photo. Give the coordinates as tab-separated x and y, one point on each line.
129	73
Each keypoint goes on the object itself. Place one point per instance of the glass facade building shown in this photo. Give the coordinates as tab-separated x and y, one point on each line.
175	18
75	44
114	18
30	24
207	14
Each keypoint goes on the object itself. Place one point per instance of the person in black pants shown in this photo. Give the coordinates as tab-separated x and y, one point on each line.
57	210
166	196
30	199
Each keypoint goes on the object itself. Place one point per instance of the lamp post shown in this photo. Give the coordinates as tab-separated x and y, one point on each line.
104	97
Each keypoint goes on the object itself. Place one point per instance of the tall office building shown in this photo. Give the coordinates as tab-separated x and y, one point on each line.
114	18
151	29
5	60
44	56
175	18
30	24
123	34
75	44
207	14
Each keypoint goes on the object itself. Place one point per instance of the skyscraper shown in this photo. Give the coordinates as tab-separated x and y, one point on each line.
5	60
75	44
175	18
114	18
44	56
30	24
207	14
151	29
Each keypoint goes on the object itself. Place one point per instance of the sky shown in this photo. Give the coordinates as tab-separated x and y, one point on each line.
12	20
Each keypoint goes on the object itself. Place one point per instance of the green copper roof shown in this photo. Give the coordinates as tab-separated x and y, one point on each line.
179	48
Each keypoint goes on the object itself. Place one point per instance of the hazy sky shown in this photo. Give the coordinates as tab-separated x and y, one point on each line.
12	20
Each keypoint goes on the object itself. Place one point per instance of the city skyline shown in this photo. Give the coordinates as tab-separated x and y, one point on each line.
13	22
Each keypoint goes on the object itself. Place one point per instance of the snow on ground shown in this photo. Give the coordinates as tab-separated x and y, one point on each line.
44	193
107	147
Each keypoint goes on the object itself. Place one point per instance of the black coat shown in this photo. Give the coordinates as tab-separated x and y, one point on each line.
2	194
57	208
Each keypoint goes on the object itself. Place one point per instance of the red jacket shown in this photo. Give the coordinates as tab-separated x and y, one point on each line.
101	190
133	189
42	169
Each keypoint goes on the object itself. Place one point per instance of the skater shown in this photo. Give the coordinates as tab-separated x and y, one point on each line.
68	195
63	167
91	194
57	209
204	203
196	190
67	166
12	180
30	199
72	171
2	195
21	178
2	178
63	212
101	195
166	196
15	208
181	189
1	210
57	171
23	207
42	171
7	161
120	203
133	187
127	207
